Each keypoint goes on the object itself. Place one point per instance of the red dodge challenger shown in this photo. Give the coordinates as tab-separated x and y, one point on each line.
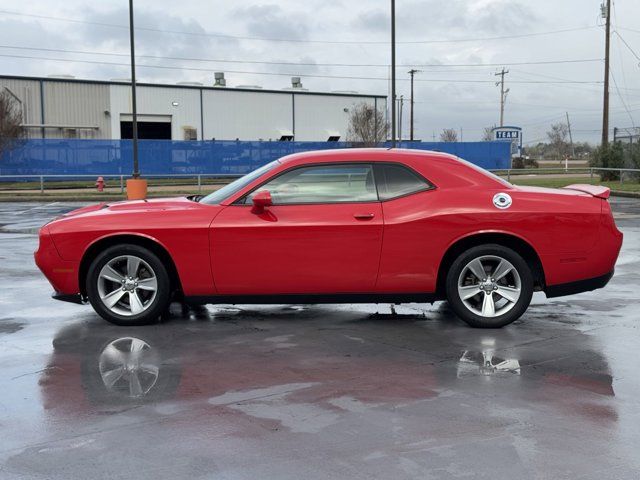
357	225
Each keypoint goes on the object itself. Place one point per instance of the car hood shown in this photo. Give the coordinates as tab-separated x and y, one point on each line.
134	206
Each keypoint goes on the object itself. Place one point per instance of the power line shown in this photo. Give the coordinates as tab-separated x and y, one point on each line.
288	74
264	62
627	45
621	62
299	40
622	99
551	77
629	29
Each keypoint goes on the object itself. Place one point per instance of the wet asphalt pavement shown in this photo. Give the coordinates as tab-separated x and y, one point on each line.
317	392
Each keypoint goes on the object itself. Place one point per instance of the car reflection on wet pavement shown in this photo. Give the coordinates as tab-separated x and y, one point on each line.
290	392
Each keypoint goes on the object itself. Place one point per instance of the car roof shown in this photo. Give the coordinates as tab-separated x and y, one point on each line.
369	154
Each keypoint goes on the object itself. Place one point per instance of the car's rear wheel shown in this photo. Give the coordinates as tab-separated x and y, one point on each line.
128	285
489	286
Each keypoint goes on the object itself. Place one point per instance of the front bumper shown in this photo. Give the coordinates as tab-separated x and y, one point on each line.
71	298
62	274
579	286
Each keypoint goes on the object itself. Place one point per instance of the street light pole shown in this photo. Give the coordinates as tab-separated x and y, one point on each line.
393	73
134	108
401	107
136	186
412	72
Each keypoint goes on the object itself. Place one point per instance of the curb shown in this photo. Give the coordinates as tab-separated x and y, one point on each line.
618	193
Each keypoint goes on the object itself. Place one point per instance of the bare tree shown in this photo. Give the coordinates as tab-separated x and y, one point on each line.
367	125
449	135
487	134
558	139
10	121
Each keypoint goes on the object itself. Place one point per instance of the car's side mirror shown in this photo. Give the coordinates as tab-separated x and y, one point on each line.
261	200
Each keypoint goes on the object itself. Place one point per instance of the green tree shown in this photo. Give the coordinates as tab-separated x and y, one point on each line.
608	156
557	135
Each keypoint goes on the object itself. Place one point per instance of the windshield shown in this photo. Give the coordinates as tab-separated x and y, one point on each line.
237	185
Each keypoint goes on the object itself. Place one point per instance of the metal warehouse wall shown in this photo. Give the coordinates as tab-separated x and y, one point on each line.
246	115
77	104
162	157
157	101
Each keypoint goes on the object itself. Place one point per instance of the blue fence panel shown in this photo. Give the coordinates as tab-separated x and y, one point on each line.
163	157
489	155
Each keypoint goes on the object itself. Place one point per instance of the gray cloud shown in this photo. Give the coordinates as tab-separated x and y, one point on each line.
468	105
271	21
374	20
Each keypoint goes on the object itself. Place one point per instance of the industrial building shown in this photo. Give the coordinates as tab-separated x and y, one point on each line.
66	107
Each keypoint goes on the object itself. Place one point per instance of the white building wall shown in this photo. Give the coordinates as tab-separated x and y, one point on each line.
246	115
227	113
158	101
319	116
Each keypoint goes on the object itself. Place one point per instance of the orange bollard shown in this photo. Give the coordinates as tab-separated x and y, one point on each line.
136	189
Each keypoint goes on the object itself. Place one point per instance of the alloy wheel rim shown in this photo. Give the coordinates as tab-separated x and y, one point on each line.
489	286
129	366
127	285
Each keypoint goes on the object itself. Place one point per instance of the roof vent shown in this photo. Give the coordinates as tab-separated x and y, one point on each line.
249	87
219	80
296	84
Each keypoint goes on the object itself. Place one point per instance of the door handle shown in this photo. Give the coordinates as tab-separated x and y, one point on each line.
363	216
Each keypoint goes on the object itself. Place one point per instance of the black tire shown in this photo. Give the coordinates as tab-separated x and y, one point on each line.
153	309
518	307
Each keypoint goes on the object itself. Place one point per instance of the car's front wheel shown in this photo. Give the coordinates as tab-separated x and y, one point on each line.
489	286
128	285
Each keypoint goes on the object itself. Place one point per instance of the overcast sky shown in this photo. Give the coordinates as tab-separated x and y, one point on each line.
434	32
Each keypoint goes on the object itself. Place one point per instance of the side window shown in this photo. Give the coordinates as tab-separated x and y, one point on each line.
322	184
395	181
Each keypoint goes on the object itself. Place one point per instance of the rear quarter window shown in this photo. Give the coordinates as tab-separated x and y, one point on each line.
398	181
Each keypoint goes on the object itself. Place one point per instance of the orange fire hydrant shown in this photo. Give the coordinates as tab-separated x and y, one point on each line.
100	184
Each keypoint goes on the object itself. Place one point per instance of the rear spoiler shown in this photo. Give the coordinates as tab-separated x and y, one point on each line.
594	190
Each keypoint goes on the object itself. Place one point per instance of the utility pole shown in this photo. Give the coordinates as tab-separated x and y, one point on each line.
606	13
503	93
134	109
393	73
573	150
412	72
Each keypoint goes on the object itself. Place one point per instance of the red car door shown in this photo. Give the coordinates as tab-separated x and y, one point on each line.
323	234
